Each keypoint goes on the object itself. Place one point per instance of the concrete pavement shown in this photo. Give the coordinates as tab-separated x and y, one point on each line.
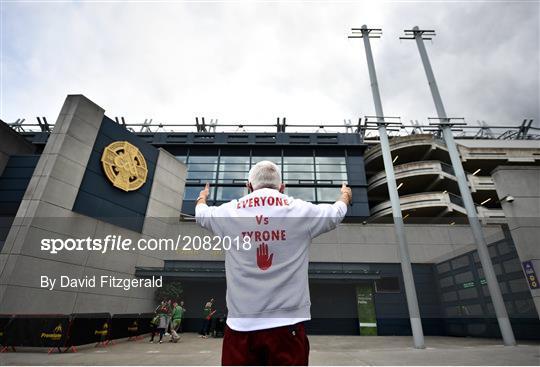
325	350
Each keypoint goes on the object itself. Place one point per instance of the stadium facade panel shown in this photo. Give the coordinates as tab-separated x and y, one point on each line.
54	184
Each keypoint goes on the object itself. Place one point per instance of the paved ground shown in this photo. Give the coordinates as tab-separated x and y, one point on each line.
325	350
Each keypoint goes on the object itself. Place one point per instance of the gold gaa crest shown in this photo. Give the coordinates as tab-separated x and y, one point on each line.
124	165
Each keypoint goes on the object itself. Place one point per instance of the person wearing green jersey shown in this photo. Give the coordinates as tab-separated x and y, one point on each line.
176	319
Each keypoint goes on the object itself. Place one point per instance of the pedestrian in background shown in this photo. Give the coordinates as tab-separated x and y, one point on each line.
176	319
182	317
159	322
163	314
208	313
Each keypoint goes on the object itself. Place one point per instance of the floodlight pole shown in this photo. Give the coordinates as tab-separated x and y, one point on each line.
446	127
406	268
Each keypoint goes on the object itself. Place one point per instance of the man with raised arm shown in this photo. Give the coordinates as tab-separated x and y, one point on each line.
266	266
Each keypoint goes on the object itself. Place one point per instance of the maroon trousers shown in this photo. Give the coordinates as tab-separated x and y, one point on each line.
285	345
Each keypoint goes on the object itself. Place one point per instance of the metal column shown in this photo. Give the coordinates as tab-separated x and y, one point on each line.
408	280
446	127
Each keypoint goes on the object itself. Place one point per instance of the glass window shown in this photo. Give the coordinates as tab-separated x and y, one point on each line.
387	285
504	248
492	250
330	160
463	277
192	192
232	177
518	285
449	296
230	193
331	168
201	176
201	167
181	158
329	194
460	262
335	177
446	282
202	159
304	193
468	293
443	267
237	160
257	159
234	167
471	310
298	160
297	168
296	176
512	265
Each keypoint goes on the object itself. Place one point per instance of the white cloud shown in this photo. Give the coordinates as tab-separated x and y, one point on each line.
246	62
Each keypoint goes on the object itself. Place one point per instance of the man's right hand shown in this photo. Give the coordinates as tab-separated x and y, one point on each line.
346	194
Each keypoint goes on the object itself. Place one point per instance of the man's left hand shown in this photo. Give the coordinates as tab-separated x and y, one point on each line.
203	195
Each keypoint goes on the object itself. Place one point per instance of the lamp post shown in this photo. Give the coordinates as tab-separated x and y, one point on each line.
445	125
382	123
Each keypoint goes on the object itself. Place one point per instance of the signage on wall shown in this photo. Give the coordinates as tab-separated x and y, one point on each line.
530	274
473	284
124	165
367	319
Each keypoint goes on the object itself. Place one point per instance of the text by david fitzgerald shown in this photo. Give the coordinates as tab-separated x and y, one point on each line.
103	281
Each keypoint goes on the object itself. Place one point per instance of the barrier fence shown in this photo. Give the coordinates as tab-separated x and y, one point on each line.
65	332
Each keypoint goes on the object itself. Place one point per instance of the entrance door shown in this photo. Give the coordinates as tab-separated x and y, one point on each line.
333	308
367	319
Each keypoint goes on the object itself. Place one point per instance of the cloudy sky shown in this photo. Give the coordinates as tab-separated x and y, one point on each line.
250	62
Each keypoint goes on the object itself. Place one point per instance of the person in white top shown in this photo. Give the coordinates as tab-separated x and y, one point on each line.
266	266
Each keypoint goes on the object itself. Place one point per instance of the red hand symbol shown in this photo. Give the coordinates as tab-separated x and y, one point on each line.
263	261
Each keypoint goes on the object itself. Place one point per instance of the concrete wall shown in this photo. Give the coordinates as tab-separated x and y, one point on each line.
372	243
12	143
523	213
46	212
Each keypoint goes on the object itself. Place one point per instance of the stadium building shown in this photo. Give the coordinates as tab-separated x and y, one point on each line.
57	182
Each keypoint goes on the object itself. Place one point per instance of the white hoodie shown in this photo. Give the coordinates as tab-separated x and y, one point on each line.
267	278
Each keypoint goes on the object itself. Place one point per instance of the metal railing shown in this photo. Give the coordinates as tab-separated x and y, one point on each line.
523	131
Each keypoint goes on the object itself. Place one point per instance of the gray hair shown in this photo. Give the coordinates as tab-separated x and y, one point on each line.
265	174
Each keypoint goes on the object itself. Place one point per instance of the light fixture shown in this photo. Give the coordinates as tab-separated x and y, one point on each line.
475	172
401	184
508	199
485	201
395	159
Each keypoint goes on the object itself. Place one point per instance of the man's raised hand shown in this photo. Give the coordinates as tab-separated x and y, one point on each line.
346	194
203	195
